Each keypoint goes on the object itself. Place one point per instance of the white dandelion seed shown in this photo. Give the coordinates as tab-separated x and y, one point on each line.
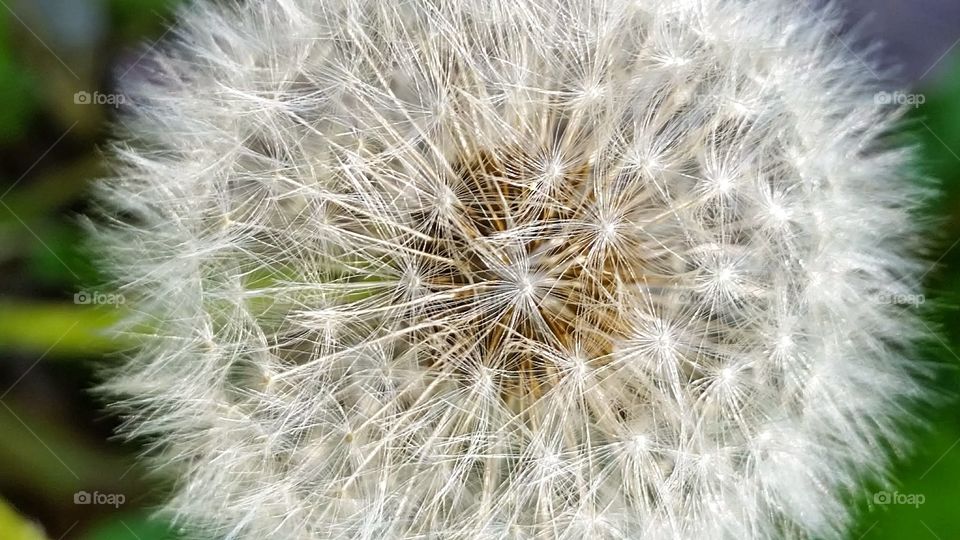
512	269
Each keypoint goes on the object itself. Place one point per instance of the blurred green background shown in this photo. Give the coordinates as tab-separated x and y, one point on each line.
62	475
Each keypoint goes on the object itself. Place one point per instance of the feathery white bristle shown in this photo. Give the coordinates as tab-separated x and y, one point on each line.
513	269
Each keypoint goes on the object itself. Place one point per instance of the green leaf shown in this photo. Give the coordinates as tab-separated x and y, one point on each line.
58	329
17	87
15	527
132	527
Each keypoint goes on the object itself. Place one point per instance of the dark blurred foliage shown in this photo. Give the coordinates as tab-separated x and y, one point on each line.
55	438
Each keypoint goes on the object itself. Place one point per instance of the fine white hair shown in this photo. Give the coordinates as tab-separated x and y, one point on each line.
507	269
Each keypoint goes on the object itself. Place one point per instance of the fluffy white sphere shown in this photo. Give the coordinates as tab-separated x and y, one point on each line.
512	269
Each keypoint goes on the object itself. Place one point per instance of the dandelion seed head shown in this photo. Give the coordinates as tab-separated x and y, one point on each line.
512	269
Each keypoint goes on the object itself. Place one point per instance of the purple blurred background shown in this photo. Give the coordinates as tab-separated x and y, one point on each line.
917	35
